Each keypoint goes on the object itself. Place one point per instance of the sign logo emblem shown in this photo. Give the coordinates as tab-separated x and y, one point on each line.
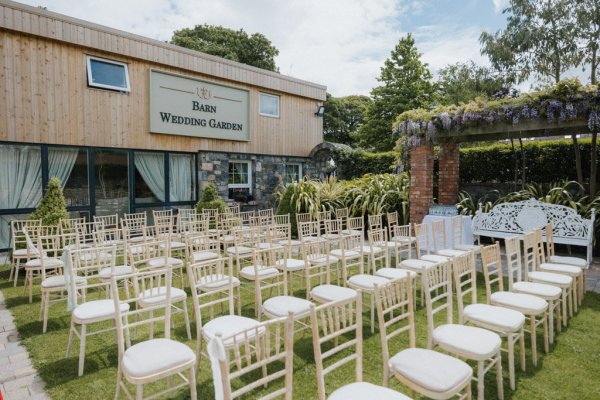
203	93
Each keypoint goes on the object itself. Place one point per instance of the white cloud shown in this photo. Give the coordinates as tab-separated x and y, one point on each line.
500	5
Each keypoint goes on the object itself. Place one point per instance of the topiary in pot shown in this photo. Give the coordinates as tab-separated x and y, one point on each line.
210	200
53	207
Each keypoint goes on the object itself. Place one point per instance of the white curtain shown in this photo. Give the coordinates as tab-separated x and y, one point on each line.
152	169
181	177
61	163
20	182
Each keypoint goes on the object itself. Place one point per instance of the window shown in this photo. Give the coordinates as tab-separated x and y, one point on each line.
293	173
269	105
107	74
70	165
240	181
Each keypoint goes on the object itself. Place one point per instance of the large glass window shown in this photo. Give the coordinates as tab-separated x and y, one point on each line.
293	173
182	170
112	183
107	74
269	105
240	181
149	177
71	167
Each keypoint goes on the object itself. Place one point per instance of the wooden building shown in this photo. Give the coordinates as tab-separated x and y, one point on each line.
131	124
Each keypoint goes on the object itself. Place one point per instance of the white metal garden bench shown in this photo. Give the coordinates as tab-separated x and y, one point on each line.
508	219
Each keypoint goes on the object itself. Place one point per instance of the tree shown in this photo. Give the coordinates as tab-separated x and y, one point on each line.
53	207
210	200
406	85
463	82
255	50
343	117
588	22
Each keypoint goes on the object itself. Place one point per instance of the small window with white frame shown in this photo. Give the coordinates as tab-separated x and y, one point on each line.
240	181
269	105
293	173
107	74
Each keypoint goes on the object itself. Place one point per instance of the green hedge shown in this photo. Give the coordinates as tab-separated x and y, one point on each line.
545	162
352	164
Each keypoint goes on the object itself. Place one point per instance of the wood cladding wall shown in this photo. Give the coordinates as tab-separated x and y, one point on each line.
44	98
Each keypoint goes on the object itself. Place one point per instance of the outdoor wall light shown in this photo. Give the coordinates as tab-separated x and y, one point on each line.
320	111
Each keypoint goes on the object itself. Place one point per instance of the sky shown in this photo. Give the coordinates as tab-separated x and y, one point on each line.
338	43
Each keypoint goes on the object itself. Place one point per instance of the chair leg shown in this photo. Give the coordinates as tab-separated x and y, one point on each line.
533	340
545	326
139	392
499	381
565	315
118	388
70	342
82	348
511	360
46	295
551	320
187	321
522	349
192	382
372	312
480	380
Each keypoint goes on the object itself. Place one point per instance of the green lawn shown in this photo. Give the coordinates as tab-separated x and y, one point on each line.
570	371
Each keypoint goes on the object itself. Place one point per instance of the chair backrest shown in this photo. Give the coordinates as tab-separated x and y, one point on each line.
512	247
465	281
334	226
279	234
212	216
530	253
356	224
88	262
539	249
378	238
69	224
108	221
201	242
549	240
394	302
437	284
85	230
303	217
349	246
422	239
308	230
184	217
203	275
337	328
392	221
228	224
134	224
402	234
491	262
149	283
247	217
281	219
375	221
273	258
456	226
18	240
267	349
140	254
341	213
317	263
233	210
164	221
438	230
104	236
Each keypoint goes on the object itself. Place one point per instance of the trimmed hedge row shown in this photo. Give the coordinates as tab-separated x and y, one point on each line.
352	164
545	162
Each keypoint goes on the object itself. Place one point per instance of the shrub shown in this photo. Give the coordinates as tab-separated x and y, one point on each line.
286	206
53	207
356	163
210	200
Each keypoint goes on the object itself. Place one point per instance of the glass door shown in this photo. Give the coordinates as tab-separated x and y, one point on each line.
111	173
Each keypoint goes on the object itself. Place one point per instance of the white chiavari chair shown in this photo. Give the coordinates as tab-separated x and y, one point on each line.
355	226
440	242
319	265
375	221
21	253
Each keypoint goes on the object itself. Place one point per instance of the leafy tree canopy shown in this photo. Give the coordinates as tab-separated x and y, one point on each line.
255	49
405	85
343	117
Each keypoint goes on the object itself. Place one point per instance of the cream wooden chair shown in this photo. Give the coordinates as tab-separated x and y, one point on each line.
184	217
472	343
348	256
166	228
67	225
506	322
153	360
21	253
319	265
333	231
86	263
149	255
202	246
457	244
533	307
107	221
323	216
532	259
402	234
233	210
551	294
424	247
226	227
565	266
309	231
355	226
375	221
336	328
134	227
303	217
244	244
280	235
392	221
212	216
236	357
247	217
423	371
440	243
379	238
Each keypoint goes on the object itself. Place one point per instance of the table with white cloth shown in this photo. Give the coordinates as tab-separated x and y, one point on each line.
467	230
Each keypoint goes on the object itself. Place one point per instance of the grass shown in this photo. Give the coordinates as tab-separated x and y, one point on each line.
570	371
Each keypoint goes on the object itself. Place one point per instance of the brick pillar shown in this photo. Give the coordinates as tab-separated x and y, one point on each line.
421	181
449	173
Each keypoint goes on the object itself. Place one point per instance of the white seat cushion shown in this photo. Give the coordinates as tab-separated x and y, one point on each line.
160	262
502	318
119	270
292	243
367	282
331	236
365	390
227	238
198	256
451	252
156	355
227	326
91	256
403	239
327	293
264	246
48	263
352	232
248	272
386	244
23	252
434	258
394	273
525	303
58	281
547	292
96	310
467	341
174	245
239	250
468	247
280	306
348	254
550	278
311	238
369	249
216	281
576	261
316	259
290	264
570	270
414	264
433	371
154	296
